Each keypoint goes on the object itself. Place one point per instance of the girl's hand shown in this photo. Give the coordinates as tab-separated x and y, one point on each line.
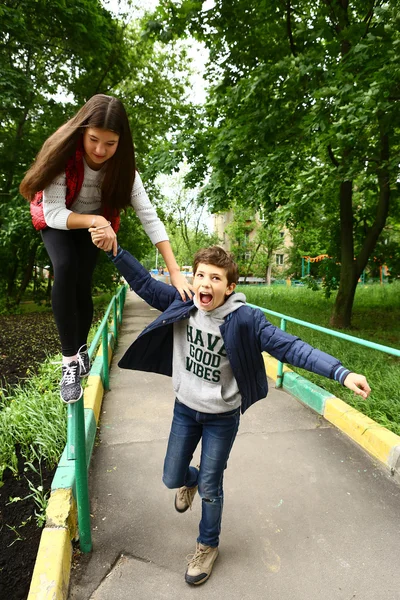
358	384
104	238
182	285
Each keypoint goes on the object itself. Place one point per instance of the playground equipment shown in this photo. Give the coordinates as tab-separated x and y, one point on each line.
384	273
310	260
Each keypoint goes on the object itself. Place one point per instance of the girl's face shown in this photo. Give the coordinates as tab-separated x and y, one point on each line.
99	145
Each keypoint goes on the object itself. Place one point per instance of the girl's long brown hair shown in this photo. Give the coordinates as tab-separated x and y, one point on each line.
103	112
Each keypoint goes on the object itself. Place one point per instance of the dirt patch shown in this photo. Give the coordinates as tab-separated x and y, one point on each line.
20	534
25	342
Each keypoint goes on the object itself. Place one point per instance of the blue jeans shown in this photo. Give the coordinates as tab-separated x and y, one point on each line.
218	432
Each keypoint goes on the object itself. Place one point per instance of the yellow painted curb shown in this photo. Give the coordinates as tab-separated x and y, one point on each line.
100	353
376	439
62	512
50	579
93	395
271	366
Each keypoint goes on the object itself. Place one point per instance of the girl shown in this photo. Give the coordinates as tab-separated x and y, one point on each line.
86	170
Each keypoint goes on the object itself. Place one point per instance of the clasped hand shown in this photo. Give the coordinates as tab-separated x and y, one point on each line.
104	238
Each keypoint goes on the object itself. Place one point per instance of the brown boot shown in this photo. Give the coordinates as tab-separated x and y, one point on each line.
184	498
200	564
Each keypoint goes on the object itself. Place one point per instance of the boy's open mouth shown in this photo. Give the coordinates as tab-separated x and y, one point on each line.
205	299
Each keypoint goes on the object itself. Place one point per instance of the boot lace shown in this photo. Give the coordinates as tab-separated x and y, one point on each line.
196	559
187	495
69	374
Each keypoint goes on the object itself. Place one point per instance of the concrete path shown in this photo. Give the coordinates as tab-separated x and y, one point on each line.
308	515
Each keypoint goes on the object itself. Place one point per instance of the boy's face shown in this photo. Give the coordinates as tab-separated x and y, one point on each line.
211	286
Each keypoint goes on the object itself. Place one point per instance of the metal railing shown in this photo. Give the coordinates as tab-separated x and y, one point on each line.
76	439
343	336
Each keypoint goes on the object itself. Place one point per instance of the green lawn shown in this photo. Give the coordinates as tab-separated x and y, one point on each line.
376	317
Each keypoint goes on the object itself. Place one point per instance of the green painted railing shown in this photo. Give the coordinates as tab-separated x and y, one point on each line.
76	446
343	336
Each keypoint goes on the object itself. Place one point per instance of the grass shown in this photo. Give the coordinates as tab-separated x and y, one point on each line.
33	420
376	317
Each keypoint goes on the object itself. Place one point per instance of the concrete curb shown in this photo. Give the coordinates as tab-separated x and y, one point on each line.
379	442
50	578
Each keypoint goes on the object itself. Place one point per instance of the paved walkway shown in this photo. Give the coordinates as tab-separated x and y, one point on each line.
307	516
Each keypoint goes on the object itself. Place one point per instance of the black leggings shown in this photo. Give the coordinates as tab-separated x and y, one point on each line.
73	256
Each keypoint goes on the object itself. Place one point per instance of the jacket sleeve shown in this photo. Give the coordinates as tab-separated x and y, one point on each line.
291	349
156	293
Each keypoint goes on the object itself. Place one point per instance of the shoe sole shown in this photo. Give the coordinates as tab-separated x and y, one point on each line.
180	510
74	400
84	374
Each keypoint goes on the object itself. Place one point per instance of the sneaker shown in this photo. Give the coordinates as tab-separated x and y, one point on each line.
70	386
200	564
84	361
184	497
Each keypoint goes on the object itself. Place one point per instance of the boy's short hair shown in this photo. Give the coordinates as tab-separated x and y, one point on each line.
215	255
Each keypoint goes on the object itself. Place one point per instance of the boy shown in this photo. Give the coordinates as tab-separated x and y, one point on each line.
211	345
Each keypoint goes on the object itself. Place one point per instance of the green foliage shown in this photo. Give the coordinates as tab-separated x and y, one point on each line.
376	318
185	217
33	417
254	241
73	50
302	114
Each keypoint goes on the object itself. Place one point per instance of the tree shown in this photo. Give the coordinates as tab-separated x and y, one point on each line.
303	111
72	50
254	242
185	217
45	48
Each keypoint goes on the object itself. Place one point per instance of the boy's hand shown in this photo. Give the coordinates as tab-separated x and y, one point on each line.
105	239
358	384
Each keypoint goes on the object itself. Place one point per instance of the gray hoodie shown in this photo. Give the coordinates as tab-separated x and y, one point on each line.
201	374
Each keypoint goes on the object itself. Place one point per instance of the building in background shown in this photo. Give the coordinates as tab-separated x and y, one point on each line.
281	249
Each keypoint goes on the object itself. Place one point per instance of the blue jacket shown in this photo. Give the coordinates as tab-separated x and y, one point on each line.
246	334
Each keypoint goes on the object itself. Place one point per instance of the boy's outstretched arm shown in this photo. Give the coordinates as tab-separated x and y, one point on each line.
156	293
291	349
358	384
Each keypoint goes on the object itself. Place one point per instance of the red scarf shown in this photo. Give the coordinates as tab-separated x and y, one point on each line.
74	173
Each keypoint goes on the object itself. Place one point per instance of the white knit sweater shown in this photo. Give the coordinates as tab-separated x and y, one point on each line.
88	202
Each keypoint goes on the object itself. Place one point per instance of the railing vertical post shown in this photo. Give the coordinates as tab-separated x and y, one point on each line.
279	376
120	304
72	441
81	477
106	378
115	317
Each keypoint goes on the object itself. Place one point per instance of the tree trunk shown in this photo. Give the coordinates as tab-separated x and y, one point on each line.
269	270
341	316
27	273
49	286
352	267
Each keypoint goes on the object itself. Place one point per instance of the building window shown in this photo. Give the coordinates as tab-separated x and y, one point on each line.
279	259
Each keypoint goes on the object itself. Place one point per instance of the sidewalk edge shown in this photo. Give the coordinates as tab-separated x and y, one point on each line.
378	441
51	574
